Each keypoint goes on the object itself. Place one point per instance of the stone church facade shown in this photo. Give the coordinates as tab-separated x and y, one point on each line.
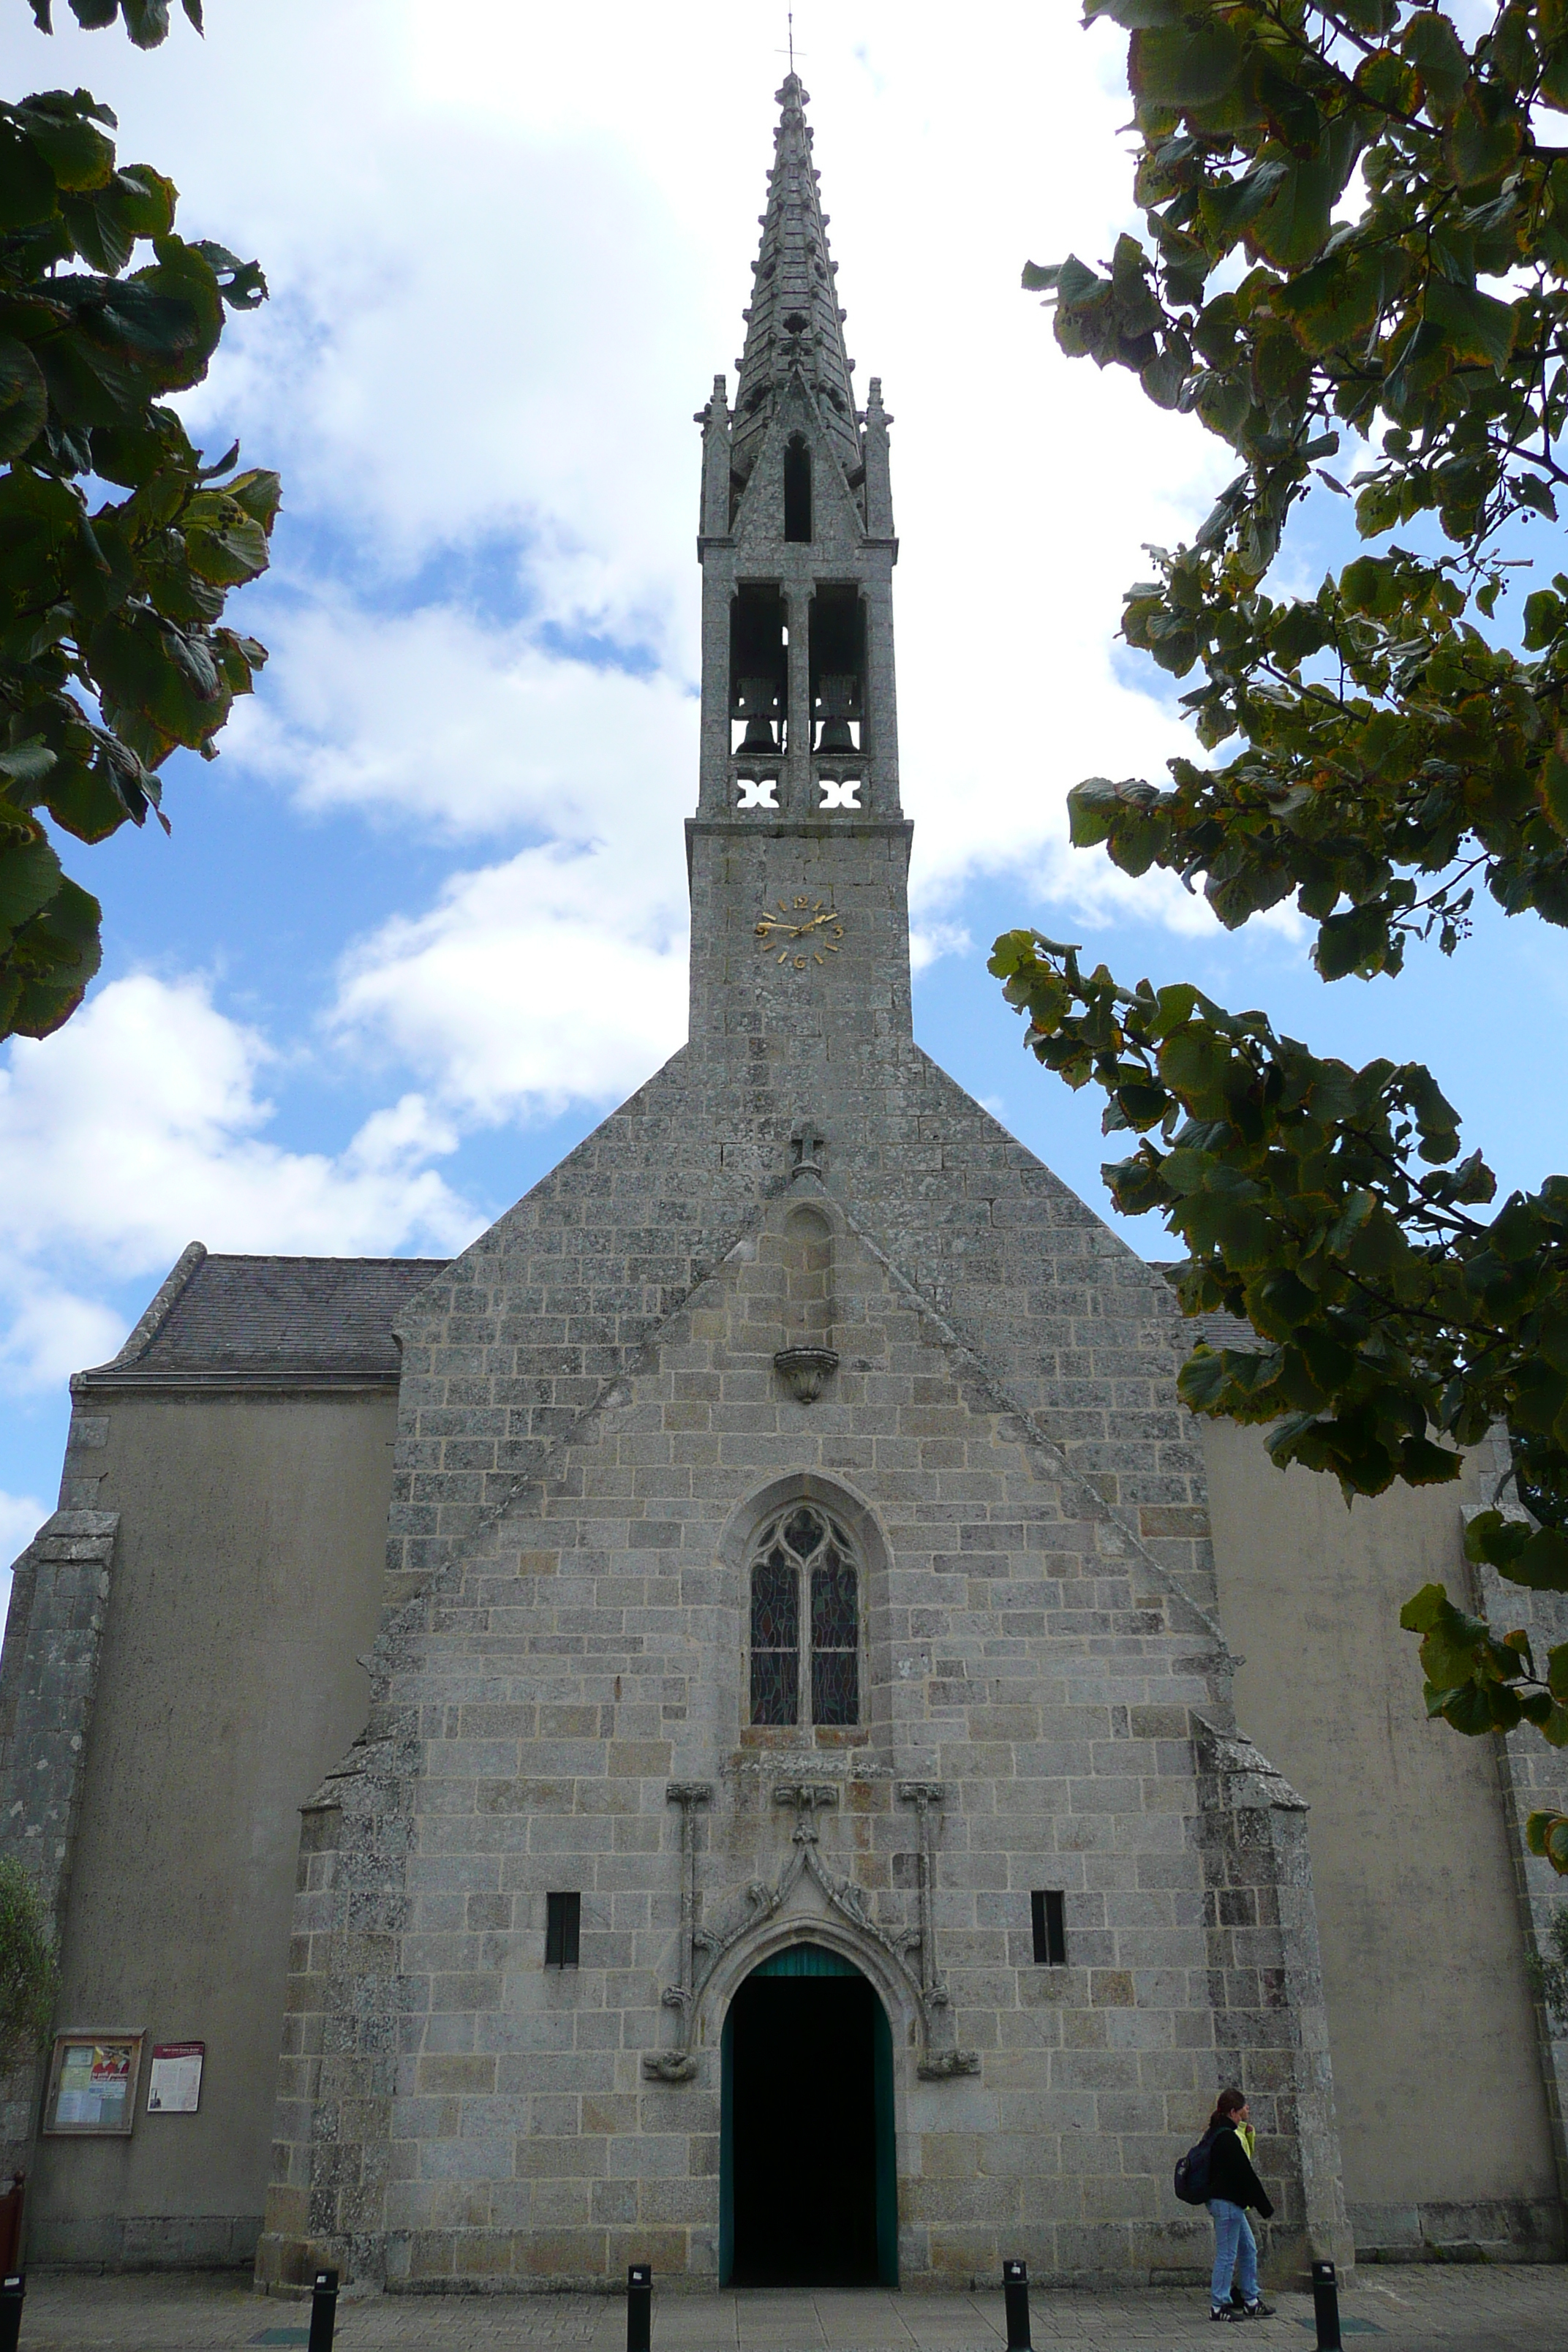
799	1692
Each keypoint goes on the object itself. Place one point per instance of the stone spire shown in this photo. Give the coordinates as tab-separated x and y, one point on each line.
795	329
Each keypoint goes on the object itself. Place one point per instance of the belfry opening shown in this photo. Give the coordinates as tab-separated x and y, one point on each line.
808	2175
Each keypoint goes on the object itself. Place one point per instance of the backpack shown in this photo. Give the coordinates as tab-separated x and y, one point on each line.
1192	2176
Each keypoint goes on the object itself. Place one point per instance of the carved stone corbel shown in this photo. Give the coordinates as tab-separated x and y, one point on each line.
807	1797
937	2063
804	1369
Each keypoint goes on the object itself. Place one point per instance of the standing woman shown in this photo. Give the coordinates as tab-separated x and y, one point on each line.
1233	2187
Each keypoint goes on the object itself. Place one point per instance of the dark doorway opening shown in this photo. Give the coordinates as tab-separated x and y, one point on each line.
809	2187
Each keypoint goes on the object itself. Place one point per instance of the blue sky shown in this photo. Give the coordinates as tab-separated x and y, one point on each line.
423	922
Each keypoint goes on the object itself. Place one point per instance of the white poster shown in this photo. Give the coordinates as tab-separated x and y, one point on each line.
174	2085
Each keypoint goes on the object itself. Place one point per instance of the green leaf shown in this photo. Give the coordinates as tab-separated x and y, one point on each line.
24	398
1552	786
77	152
1433	48
1194	1063
1425	1609
1354	941
27	183
1293	227
1477	326
1183	65
1546	1834
30	875
44	976
1469	1709
1542	1564
1479	147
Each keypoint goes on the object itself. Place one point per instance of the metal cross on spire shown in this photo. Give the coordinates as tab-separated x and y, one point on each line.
789	52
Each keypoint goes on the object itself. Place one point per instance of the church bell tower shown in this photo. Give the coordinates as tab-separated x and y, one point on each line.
799	850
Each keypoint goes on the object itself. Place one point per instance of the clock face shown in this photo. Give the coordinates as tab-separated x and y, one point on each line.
803	932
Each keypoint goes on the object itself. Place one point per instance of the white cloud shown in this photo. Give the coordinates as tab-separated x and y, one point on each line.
139	1127
435	719
930	940
551	978
21	1517
51	1332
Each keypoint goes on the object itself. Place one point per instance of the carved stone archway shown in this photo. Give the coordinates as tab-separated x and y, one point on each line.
714	1962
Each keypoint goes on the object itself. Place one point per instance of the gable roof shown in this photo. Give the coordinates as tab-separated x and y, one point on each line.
234	1322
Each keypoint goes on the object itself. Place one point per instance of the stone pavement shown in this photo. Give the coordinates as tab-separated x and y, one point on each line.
1427	2308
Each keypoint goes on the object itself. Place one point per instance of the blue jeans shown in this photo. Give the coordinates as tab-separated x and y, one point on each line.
1235	2249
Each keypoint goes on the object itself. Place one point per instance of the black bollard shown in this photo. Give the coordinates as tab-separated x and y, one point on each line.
1326	2307
12	2290
1015	2296
640	2307
324	2311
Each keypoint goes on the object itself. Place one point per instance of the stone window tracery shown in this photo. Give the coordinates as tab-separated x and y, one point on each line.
804	1577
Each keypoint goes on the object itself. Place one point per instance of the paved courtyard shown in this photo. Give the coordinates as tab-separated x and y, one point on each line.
1510	2308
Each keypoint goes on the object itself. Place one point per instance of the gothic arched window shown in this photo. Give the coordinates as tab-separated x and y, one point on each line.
805	1620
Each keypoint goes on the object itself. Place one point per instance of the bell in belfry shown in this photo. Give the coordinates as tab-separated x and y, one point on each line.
837	702
756	700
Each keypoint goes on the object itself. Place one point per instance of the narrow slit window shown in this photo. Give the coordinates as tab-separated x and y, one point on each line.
563	1930
797	489
1048	1905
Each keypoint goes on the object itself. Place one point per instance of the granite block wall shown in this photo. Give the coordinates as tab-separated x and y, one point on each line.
563	1706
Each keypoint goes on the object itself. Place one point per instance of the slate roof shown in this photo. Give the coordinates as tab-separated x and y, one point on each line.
226	1322
1218	1330
270	1322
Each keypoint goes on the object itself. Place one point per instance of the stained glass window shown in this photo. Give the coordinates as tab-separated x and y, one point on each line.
835	1641
804	1564
775	1638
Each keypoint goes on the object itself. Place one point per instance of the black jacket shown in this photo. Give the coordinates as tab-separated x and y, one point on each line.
1231	2175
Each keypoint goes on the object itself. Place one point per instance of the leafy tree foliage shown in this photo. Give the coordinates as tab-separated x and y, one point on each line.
1354	254
118	546
146	21
28	1976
